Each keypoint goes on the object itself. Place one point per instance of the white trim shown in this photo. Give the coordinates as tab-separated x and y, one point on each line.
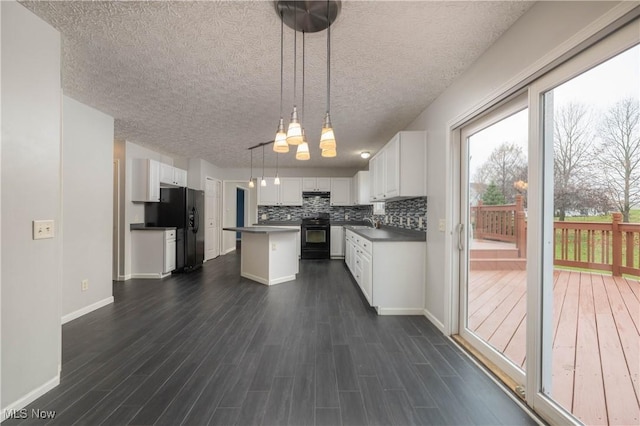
261	280
124	277
229	250
399	311
434	321
150	275
30	397
89	308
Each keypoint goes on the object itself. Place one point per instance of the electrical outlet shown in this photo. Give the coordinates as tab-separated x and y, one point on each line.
288	217
442	225
84	285
264	216
420	222
346	217
43	229
273	247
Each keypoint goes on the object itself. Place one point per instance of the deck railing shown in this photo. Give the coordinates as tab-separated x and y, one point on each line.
612	247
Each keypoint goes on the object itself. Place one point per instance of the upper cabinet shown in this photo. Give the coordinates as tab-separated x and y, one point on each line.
360	188
172	176
399	170
288	193
145	180
340	191
320	184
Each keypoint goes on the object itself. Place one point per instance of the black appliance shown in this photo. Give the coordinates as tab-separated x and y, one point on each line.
316	237
184	209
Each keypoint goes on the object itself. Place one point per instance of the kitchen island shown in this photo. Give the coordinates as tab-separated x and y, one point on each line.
269	254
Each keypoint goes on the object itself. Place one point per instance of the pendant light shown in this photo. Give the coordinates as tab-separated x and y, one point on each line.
302	153
327	137
294	133
280	144
251	185
263	182
276	181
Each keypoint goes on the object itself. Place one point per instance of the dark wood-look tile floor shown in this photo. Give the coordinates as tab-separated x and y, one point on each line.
213	348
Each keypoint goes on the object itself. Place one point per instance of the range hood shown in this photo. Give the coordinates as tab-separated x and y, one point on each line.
316	194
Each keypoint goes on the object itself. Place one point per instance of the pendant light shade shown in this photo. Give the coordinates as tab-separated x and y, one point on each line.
329	153
294	134
327	138
303	152
251	184
280	144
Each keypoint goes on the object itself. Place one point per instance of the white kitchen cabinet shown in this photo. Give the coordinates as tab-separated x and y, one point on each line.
145	180
172	176
320	184
153	252
399	170
340	191
390	274
360	188
288	193
337	242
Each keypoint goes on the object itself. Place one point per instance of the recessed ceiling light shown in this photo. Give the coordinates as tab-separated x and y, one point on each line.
365	154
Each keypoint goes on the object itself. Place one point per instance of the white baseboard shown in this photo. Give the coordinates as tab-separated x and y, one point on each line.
434	320
90	308
29	398
399	311
124	277
264	281
227	251
150	276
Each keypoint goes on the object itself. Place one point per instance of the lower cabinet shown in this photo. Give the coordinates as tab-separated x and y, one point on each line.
390	274
153	253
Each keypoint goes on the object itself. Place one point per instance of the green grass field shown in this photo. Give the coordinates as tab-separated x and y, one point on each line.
634	217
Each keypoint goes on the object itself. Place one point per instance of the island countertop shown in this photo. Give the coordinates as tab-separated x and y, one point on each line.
260	229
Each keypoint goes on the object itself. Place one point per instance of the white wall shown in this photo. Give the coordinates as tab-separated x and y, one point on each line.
87	213
30	179
545	27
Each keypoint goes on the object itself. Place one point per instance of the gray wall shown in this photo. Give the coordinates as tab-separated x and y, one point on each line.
87	214
30	176
528	42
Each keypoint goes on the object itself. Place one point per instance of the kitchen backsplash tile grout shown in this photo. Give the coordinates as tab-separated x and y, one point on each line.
396	212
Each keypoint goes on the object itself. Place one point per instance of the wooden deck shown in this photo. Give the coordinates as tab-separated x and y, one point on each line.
596	343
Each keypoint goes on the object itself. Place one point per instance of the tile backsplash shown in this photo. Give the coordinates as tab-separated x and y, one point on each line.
398	212
310	205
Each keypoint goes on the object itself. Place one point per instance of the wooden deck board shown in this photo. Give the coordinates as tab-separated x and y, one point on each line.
596	339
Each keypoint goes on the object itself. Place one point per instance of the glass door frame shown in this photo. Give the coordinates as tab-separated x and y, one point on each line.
507	108
540	228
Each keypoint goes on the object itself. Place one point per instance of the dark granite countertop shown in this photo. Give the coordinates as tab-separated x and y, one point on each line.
259	229
142	227
388	234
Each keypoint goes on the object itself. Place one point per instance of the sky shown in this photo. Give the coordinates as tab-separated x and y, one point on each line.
599	88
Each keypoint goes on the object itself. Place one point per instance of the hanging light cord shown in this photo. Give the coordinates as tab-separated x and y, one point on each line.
328	59
302	115
295	54
281	57
262	161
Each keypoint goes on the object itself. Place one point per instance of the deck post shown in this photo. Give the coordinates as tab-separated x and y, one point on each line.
520	231
479	228
616	242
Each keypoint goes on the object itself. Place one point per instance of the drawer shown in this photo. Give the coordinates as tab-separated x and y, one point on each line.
366	245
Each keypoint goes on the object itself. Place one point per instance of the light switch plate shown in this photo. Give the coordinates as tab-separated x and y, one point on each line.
43	229
442	225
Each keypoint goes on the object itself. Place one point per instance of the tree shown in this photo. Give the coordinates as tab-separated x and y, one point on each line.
492	196
619	155
505	166
572	158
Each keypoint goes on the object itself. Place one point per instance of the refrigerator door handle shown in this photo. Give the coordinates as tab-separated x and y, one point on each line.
196	220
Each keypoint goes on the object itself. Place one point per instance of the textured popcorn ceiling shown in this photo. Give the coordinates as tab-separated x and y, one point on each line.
202	79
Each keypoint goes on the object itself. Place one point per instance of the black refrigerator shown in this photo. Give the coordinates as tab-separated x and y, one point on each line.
184	209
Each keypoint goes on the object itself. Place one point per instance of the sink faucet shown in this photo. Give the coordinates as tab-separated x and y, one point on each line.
370	220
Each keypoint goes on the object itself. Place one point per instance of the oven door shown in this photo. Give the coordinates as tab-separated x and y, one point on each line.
315	242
